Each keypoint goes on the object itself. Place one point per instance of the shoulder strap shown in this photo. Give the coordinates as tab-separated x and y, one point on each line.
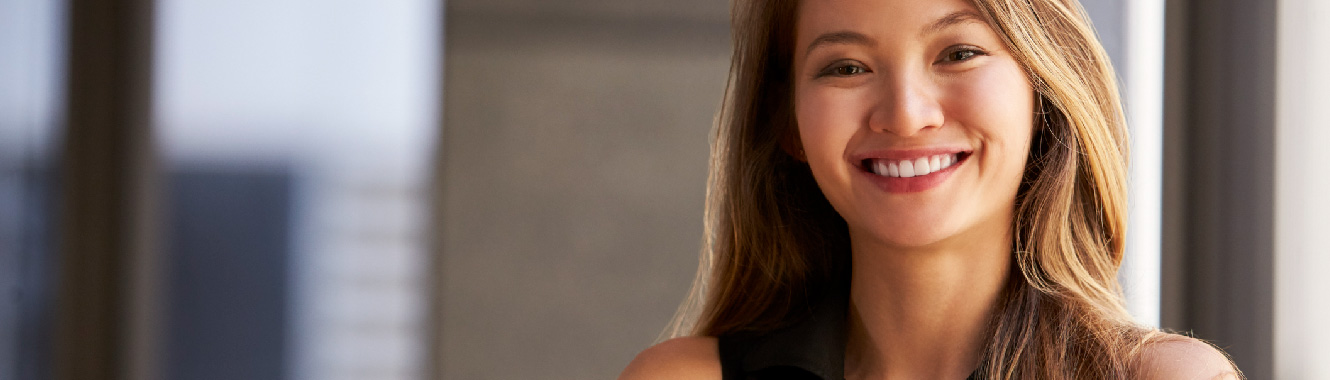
731	358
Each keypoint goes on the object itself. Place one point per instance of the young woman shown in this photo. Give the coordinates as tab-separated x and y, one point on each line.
918	189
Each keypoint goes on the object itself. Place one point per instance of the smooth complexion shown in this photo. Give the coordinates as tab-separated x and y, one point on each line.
897	83
879	83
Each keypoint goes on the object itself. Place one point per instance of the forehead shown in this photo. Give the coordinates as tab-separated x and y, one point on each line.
886	18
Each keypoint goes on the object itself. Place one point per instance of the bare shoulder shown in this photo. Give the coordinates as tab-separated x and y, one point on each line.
693	357
1180	357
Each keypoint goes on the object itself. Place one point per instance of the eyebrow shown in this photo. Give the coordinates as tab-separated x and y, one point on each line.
840	37
952	19
856	38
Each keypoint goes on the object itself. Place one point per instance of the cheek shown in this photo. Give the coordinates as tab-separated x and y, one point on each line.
827	120
999	104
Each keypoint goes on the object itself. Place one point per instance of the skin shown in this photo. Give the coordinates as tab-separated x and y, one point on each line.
928	265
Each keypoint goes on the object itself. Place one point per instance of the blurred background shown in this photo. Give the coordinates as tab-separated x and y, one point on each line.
499	189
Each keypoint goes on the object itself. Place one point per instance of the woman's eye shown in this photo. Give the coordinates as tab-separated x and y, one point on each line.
849	70
843	70
962	54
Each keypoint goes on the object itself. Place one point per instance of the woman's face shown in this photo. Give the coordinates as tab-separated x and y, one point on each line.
914	119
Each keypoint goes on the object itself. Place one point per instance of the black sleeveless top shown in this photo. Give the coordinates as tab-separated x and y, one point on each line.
812	349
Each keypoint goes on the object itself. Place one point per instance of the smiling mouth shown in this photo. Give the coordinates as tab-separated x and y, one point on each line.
917	167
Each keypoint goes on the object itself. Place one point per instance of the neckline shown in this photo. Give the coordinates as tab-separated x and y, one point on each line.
814	343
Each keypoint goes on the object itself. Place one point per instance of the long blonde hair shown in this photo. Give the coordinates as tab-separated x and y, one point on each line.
772	238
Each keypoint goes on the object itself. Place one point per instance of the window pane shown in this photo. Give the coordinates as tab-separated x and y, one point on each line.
296	138
31	90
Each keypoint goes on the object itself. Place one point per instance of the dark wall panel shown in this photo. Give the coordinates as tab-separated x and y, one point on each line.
1219	182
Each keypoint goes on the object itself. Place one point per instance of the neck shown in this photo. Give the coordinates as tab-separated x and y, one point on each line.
923	313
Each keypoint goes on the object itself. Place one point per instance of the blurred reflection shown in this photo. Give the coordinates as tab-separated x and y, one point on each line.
30	93
296	136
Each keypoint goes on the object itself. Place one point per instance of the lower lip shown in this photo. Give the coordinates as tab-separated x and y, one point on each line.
913	184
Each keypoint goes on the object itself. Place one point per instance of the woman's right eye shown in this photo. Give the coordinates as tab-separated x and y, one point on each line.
843	69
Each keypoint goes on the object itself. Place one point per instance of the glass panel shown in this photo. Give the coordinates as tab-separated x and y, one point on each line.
297	139
31	90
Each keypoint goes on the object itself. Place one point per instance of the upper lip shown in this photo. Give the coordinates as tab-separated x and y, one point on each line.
906	154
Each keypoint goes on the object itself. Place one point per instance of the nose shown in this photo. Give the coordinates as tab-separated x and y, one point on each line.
906	106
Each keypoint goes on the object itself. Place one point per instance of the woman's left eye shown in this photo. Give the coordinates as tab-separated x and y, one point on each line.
961	54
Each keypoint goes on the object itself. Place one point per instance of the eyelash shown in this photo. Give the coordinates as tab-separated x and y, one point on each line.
836	68
974	52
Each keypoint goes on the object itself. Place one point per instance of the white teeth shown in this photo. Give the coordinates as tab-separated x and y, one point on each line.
921	167
912	168
907	169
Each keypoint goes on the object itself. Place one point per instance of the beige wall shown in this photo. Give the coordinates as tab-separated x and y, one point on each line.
574	166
